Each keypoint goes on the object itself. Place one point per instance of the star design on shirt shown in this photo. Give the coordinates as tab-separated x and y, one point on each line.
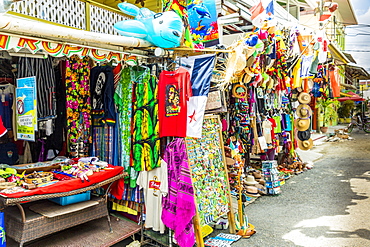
192	117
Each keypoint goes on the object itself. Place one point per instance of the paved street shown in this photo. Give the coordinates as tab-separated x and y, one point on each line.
326	206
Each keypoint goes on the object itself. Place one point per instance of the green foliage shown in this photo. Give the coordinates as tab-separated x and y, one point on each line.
328	107
344	111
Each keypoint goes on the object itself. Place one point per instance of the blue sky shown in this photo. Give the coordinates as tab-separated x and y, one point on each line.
360	43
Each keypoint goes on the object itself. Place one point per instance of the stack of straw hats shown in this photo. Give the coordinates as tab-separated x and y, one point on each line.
304	114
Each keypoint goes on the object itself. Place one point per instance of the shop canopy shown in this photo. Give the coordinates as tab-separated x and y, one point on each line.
338	56
357	72
353	96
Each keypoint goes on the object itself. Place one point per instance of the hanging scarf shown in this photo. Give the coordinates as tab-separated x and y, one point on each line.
179	205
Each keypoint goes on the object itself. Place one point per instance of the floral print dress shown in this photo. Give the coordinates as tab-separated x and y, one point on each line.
78	106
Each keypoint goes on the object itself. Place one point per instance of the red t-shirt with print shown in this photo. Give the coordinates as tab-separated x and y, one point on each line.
174	90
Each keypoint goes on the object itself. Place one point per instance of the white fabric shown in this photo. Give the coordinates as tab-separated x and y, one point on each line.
196	108
266	131
155	185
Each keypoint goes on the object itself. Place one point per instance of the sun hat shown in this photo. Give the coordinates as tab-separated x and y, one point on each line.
250	180
304	111
247	76
295	93
302	124
304	135
251	191
3	130
304	98
230	161
305	145
262	182
261	189
257	174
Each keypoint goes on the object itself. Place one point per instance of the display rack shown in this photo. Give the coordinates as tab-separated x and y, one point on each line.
210	176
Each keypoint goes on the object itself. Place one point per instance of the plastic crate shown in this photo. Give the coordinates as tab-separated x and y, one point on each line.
66	200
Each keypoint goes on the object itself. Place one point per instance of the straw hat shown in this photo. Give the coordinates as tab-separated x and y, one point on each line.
304	98
230	161
251	191
302	124
304	111
305	145
250	180
247	76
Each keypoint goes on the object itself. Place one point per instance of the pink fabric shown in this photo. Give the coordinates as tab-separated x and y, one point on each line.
179	204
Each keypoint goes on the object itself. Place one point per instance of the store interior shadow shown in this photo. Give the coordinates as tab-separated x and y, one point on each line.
327	233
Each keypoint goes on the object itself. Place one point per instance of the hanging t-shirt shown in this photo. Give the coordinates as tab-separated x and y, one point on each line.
277	129
266	129
273	126
174	90
297	80
288	122
155	186
8	153
7	93
306	65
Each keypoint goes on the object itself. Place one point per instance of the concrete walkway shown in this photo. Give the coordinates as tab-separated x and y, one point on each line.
328	205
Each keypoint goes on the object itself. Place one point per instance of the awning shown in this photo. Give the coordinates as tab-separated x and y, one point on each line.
339	57
353	96
357	72
350	58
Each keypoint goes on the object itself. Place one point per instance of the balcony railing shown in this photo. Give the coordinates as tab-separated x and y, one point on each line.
90	16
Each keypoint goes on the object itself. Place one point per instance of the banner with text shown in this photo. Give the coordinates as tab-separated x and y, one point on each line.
16	43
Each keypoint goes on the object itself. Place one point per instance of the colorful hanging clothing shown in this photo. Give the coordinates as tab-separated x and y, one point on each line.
179	204
145	129
123	100
78	106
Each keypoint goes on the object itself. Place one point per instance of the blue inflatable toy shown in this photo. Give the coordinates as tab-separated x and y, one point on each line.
161	29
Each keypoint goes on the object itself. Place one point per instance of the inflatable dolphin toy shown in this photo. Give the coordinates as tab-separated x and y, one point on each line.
162	29
5	5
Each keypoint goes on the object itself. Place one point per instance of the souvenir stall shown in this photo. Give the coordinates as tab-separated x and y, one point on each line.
58	106
196	135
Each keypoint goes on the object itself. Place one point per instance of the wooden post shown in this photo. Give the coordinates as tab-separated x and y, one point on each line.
198	229
230	214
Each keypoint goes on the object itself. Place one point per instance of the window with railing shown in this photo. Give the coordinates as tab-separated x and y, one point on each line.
88	16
